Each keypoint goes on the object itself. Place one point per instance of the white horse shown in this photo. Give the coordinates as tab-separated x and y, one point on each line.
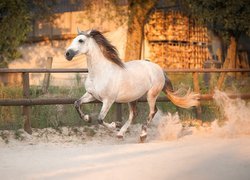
111	80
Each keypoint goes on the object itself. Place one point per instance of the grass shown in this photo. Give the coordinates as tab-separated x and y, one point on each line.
4	137
56	116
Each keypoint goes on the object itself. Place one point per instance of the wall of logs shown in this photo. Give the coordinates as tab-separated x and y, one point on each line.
175	40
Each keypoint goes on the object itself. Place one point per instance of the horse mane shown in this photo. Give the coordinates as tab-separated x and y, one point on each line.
109	51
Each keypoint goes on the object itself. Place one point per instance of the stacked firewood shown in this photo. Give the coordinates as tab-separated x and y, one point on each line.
155	27
175	40
198	33
167	26
178	55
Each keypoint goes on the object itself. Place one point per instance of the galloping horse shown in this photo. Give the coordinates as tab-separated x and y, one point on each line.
110	80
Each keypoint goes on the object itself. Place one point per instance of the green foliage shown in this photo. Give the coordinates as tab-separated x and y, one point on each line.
15	24
94	12
138	10
4	137
228	18
15	19
18	135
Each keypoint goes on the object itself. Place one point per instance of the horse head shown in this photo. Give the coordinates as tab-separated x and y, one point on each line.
94	40
79	45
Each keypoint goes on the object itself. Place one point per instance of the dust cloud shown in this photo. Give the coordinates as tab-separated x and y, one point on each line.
170	127
235	117
236	113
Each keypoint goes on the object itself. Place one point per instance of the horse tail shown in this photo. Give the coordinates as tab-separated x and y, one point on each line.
187	100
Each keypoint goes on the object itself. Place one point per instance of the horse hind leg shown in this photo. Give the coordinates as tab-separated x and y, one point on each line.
132	114
151	98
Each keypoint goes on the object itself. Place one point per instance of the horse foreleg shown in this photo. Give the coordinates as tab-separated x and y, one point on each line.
132	113
105	108
87	97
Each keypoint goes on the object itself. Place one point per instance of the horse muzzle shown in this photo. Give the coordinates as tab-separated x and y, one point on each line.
70	54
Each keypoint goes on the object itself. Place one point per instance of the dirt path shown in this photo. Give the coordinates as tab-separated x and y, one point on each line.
187	158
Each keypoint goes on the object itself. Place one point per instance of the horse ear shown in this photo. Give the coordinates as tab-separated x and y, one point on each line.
89	31
78	31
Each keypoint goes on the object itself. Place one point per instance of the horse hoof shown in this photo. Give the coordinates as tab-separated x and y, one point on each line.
118	124
87	118
143	138
143	135
119	136
112	126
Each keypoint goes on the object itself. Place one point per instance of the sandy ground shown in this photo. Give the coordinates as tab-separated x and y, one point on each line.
172	151
187	158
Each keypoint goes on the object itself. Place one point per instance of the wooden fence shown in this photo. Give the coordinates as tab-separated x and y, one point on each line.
26	101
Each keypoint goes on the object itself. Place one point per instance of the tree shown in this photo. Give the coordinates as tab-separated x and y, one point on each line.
230	19
137	14
138	10
15	18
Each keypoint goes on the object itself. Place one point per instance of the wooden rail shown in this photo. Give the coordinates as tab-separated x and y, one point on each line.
54	101
5	70
26	101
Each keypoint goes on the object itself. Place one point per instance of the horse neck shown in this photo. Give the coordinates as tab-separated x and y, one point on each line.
96	62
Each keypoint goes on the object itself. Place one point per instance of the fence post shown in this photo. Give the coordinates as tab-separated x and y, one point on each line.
46	79
118	111
197	90
26	109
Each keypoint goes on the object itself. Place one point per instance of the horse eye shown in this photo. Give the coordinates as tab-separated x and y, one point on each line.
80	41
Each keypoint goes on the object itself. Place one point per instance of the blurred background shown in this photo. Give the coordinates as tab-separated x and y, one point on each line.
176	34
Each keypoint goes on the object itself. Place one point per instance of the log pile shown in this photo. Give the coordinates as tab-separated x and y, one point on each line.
167	26
198	33
178	55
176	41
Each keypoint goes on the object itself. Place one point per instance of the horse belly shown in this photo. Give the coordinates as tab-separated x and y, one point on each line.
132	91
139	78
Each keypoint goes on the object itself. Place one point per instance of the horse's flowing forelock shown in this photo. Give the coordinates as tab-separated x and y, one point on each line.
108	50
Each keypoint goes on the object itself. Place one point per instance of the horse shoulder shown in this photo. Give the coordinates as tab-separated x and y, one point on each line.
103	85
89	85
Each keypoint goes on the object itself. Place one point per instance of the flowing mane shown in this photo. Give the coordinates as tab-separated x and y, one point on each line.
108	50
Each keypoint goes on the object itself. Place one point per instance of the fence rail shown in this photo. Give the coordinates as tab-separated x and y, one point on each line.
54	101
83	70
26	101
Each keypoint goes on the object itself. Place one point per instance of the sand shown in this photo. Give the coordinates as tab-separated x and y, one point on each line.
186	158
